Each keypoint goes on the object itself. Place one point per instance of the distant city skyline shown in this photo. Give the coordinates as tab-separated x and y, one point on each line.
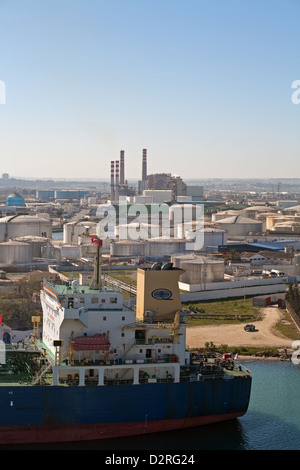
205	86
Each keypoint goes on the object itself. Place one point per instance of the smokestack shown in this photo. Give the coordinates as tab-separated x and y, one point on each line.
117	181
112	180
122	169
144	170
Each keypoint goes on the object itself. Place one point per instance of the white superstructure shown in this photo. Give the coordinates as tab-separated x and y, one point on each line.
98	332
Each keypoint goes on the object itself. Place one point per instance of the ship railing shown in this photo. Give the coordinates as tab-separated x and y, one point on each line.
107	382
38	378
15	380
244	369
154	341
143	380
157	360
21	346
130	360
202	377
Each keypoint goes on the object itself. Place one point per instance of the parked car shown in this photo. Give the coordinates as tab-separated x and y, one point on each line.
249	327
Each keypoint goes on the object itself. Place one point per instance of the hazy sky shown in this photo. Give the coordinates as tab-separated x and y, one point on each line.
204	85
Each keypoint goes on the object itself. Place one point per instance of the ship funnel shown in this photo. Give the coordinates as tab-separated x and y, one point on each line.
158	292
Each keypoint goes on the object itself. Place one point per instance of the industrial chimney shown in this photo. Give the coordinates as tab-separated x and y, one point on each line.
122	169
112	181
144	170
117	181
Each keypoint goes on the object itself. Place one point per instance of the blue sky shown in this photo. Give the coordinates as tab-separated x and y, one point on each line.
204	85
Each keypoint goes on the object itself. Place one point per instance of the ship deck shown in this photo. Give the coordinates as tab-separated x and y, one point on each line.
65	288
21	369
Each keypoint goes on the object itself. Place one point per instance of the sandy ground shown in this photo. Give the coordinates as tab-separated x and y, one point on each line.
235	335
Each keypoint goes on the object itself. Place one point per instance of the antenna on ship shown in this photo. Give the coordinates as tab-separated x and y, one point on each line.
97	264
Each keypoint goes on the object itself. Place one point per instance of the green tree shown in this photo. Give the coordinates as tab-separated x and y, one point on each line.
21	302
293	297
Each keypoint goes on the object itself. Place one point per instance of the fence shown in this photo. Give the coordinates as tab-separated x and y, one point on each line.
293	314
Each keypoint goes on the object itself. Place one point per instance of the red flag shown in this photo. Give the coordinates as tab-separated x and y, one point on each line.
97	240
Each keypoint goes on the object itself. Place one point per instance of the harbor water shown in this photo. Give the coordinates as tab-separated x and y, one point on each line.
271	423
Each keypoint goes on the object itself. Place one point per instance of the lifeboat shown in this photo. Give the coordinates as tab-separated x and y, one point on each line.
97	343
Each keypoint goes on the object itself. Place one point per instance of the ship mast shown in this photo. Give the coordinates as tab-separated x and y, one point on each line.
97	264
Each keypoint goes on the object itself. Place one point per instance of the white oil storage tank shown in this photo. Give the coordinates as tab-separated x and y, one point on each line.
238	226
160	247
14	252
127	248
23	225
199	269
73	230
209	237
37	243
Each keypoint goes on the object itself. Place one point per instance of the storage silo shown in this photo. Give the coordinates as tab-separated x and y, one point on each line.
23	225
224	214
239	226
127	248
211	237
72	230
161	247
254	211
199	269
37	243
15	252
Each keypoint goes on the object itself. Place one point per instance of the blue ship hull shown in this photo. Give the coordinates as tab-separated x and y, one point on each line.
59	413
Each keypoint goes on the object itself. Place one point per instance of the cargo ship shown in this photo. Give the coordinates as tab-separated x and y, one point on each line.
101	368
